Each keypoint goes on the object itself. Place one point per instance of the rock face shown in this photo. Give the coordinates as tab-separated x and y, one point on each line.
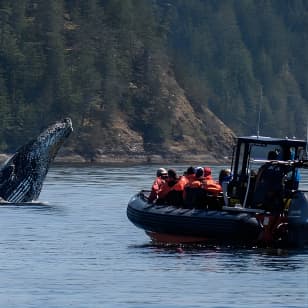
200	136
197	135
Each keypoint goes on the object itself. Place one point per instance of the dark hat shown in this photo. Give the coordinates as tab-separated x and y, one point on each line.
190	170
172	173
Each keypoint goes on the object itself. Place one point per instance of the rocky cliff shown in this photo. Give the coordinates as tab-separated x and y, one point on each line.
198	135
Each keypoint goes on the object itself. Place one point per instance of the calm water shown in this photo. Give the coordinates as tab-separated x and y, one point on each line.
80	250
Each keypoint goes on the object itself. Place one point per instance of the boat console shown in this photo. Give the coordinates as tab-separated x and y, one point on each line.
261	165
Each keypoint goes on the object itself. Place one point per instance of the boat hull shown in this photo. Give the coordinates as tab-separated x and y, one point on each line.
166	223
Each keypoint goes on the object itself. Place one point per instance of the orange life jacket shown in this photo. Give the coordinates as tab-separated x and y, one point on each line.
195	184
167	187
179	186
190	178
192	182
155	188
211	186
163	191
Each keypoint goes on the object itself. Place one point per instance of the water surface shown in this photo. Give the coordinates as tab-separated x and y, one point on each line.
80	250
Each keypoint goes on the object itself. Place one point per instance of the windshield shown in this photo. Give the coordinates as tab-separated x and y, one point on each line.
266	152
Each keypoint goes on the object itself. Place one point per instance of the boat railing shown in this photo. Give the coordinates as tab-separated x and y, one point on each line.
295	163
242	209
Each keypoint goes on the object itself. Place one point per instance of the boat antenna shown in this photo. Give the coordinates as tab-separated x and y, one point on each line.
259	113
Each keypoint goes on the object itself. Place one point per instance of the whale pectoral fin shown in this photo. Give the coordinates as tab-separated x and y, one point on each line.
21	192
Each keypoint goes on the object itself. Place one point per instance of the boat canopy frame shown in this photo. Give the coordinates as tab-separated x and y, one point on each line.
285	150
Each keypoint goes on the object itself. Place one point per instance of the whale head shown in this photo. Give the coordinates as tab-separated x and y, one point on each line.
22	176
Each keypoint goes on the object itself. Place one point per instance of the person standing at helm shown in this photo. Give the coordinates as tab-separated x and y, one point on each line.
161	176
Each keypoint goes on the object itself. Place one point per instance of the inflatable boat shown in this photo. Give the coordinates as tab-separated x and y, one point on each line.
261	205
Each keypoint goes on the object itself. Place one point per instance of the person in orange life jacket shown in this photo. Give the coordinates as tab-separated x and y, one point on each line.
209	184
175	195
199	178
171	180
190	174
172	191
207	173
193	180
187	177
161	176
193	194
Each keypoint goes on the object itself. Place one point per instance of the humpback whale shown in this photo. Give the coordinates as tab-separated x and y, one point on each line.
22	175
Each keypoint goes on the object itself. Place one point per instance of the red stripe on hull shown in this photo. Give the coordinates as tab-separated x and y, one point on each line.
175	239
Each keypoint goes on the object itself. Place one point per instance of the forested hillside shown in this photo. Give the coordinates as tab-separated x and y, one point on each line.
153	76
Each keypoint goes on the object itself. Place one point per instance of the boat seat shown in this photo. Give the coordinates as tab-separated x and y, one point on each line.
174	197
202	199
214	202
194	197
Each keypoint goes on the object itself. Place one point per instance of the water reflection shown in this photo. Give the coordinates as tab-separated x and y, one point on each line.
231	259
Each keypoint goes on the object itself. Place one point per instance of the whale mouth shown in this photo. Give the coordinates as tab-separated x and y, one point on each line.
69	123
53	138
56	133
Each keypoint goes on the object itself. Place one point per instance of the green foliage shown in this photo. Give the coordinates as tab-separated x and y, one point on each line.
239	47
93	59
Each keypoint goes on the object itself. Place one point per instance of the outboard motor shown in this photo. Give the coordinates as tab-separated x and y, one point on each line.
298	219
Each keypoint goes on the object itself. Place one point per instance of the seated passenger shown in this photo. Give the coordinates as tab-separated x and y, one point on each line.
171	191
207	173
197	182
190	174
161	175
194	195
209	184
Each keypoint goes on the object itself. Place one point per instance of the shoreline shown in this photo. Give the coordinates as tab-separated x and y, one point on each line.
115	159
134	160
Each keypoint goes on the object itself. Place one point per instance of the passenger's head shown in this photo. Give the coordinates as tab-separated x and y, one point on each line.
199	172
161	172
172	174
272	155
207	171
225	175
190	170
